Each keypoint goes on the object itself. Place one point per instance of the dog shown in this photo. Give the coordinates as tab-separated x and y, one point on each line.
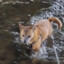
34	35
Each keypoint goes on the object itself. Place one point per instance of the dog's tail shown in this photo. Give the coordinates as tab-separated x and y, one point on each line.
56	20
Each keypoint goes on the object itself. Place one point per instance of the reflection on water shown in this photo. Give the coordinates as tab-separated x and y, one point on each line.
11	52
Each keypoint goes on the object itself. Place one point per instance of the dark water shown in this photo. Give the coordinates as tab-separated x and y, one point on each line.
28	12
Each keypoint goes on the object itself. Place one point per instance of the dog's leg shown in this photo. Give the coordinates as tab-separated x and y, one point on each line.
37	45
36	48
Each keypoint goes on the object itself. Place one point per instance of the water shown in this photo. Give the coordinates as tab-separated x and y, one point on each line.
55	50
29	12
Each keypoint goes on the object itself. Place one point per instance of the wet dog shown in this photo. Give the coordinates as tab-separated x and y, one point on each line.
34	35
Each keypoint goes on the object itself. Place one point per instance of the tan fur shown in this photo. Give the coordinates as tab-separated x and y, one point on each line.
43	28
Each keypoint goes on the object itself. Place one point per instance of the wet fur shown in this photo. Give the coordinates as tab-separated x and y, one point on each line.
43	28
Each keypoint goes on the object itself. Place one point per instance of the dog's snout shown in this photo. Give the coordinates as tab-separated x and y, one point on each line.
24	41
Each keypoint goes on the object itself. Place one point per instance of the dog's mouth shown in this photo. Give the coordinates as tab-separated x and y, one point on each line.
29	46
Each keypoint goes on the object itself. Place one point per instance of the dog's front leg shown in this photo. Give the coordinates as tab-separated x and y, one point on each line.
37	45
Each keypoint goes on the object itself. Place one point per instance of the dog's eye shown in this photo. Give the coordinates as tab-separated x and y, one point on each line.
29	36
23	35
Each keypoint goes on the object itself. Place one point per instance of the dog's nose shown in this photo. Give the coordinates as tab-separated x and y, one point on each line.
24	41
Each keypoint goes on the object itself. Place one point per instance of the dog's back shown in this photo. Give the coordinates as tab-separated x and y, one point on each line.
46	27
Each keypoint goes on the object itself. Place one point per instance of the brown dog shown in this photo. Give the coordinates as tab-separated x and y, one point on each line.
35	35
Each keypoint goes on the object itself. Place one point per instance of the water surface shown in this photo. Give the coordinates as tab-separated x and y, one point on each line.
28	12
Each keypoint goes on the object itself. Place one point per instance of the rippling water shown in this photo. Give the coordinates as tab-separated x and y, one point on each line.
29	12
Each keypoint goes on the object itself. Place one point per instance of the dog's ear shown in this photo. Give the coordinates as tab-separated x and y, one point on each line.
20	26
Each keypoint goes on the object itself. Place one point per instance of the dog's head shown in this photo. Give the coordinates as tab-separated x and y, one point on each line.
26	33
